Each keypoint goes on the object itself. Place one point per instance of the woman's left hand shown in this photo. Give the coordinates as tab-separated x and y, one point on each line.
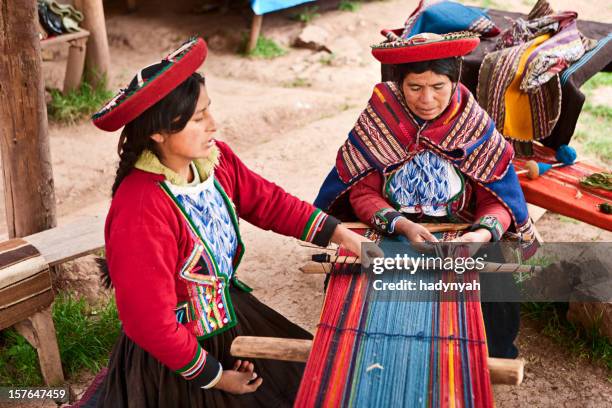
473	239
353	242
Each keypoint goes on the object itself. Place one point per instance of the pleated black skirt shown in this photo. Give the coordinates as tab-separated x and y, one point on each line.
136	379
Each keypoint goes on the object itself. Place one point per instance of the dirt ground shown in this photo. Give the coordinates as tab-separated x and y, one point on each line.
285	118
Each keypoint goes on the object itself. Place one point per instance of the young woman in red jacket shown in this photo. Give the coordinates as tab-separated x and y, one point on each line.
173	247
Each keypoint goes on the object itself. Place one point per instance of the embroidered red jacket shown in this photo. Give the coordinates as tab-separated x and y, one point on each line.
148	241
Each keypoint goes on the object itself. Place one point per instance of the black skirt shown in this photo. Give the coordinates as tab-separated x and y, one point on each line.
136	379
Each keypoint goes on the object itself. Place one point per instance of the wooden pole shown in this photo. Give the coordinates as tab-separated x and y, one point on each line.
431	227
39	331
97	60
26	160
75	65
502	370
255	31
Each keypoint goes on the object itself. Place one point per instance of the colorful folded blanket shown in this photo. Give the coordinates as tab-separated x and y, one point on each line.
447	17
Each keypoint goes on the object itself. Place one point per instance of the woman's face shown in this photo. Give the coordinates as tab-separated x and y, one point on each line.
427	94
195	141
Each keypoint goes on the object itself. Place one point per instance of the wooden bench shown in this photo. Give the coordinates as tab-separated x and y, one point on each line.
76	56
26	292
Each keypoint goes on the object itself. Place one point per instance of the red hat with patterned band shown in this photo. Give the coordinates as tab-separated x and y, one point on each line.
150	85
424	47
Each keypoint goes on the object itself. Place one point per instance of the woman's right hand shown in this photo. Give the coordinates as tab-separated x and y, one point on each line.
413	231
239	380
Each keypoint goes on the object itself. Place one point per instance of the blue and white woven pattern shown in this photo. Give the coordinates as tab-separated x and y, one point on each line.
425	184
205	206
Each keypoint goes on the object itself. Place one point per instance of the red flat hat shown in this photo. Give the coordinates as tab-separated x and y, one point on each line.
424	47
150	85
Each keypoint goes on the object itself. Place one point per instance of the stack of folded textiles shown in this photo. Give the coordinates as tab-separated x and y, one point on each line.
57	19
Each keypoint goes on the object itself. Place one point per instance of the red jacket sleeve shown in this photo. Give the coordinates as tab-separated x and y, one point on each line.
267	206
490	213
142	248
369	205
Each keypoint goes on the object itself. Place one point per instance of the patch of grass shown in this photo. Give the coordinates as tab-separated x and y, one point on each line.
590	344
298	83
307	15
597	81
593	132
349	5
327	59
265	48
600	111
77	104
85	337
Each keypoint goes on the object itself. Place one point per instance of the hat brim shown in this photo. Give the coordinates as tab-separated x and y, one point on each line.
403	53
126	107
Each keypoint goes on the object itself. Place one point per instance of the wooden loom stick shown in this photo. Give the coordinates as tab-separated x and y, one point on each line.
431	227
313	267
502	370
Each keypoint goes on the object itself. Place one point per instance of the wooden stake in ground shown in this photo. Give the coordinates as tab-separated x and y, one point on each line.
26	160
255	31
97	62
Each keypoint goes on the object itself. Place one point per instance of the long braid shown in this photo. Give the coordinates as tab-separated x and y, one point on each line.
130	148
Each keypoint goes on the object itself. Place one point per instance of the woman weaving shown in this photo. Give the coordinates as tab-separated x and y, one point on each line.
424	151
173	247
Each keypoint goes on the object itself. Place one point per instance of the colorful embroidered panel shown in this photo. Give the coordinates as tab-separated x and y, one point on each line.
205	206
425	184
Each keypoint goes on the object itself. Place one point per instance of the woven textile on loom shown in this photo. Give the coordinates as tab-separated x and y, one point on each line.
403	352
559	190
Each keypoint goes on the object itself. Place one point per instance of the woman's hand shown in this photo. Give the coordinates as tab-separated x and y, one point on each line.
413	231
239	380
353	242
473	241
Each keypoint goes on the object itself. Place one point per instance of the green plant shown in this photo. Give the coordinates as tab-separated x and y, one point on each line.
349	5
298	83
265	48
587	343
85	337
592	132
599	80
77	104
307	15
327	59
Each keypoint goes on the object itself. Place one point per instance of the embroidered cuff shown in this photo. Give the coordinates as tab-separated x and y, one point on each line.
385	219
204	370
490	223
319	228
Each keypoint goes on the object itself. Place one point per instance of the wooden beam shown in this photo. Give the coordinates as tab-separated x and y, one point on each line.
506	371
431	227
502	370
97	61
64	38
273	348
26	160
313	267
255	31
69	241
